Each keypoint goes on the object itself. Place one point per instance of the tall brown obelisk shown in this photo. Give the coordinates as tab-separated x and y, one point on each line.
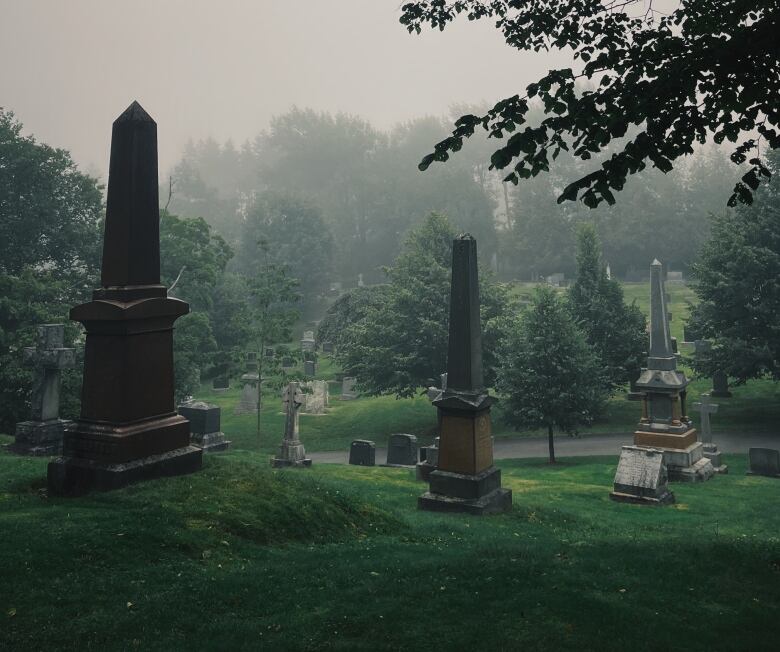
128	429
465	479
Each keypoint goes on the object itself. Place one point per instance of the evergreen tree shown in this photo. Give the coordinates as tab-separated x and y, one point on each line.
738	285
615	330
400	344
551	377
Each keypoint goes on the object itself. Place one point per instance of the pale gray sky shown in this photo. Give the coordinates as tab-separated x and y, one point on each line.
222	68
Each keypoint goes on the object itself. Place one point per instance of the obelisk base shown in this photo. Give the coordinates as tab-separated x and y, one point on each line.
478	494
70	476
683	453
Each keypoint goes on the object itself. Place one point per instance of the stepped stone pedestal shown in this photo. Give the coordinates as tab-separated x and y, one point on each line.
664	424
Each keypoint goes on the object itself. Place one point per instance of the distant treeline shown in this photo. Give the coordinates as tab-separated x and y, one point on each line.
334	197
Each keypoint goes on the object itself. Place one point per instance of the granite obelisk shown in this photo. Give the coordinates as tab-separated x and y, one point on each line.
465	479
128	429
664	424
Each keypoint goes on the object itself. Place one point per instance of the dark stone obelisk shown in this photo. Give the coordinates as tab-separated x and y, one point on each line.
465	479
128	429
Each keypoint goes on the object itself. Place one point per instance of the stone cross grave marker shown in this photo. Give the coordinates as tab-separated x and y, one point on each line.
705	408
291	452
42	434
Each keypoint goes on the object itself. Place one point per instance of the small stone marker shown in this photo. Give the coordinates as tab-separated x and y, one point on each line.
310	368
402	450
308	342
291	452
269	352
327	347
711	452
764	461
429	459
204	426
220	384
287	362
641	477
348	392
317	399
674	277
42	434
247	404
362	452
720	385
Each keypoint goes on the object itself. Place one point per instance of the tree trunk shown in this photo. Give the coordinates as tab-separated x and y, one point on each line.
551	444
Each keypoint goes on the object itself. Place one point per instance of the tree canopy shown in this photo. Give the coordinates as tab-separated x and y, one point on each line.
705	68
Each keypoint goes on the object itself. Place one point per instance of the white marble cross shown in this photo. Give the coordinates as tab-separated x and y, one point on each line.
705	408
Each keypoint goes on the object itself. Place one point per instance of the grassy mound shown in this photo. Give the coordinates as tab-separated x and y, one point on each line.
338	558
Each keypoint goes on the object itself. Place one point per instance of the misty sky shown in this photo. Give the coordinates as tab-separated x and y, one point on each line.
222	68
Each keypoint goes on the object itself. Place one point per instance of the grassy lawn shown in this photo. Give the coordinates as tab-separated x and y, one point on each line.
242	557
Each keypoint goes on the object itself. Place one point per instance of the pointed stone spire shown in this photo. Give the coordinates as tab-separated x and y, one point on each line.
661	356
131	247
464	354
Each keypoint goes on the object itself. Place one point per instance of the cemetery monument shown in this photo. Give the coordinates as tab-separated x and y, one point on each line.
291	452
641	477
664	424
764	461
205	426
465	479
362	452
42	434
711	452
128	429
250	390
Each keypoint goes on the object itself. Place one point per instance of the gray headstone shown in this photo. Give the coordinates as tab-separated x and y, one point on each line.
641	477
310	368
402	450
308	342
220	384
764	461
674	277
316	398
348	392
362	453
720	385
205	426
327	347
269	352
287	362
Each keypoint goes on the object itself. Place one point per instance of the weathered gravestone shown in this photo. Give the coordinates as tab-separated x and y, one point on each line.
205	426
42	433
348	392
465	479
641	477
711	452
764	461
362	453
128	429
291	452
327	347
664	424
720	385
429	458
269	352
250	387
310	368
308	342
402	450
316	397
220	384
287	362
674	277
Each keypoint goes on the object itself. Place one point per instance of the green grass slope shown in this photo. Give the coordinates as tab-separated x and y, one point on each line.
241	557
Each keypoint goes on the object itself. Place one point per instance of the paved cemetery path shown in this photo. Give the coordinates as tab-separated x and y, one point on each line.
577	447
